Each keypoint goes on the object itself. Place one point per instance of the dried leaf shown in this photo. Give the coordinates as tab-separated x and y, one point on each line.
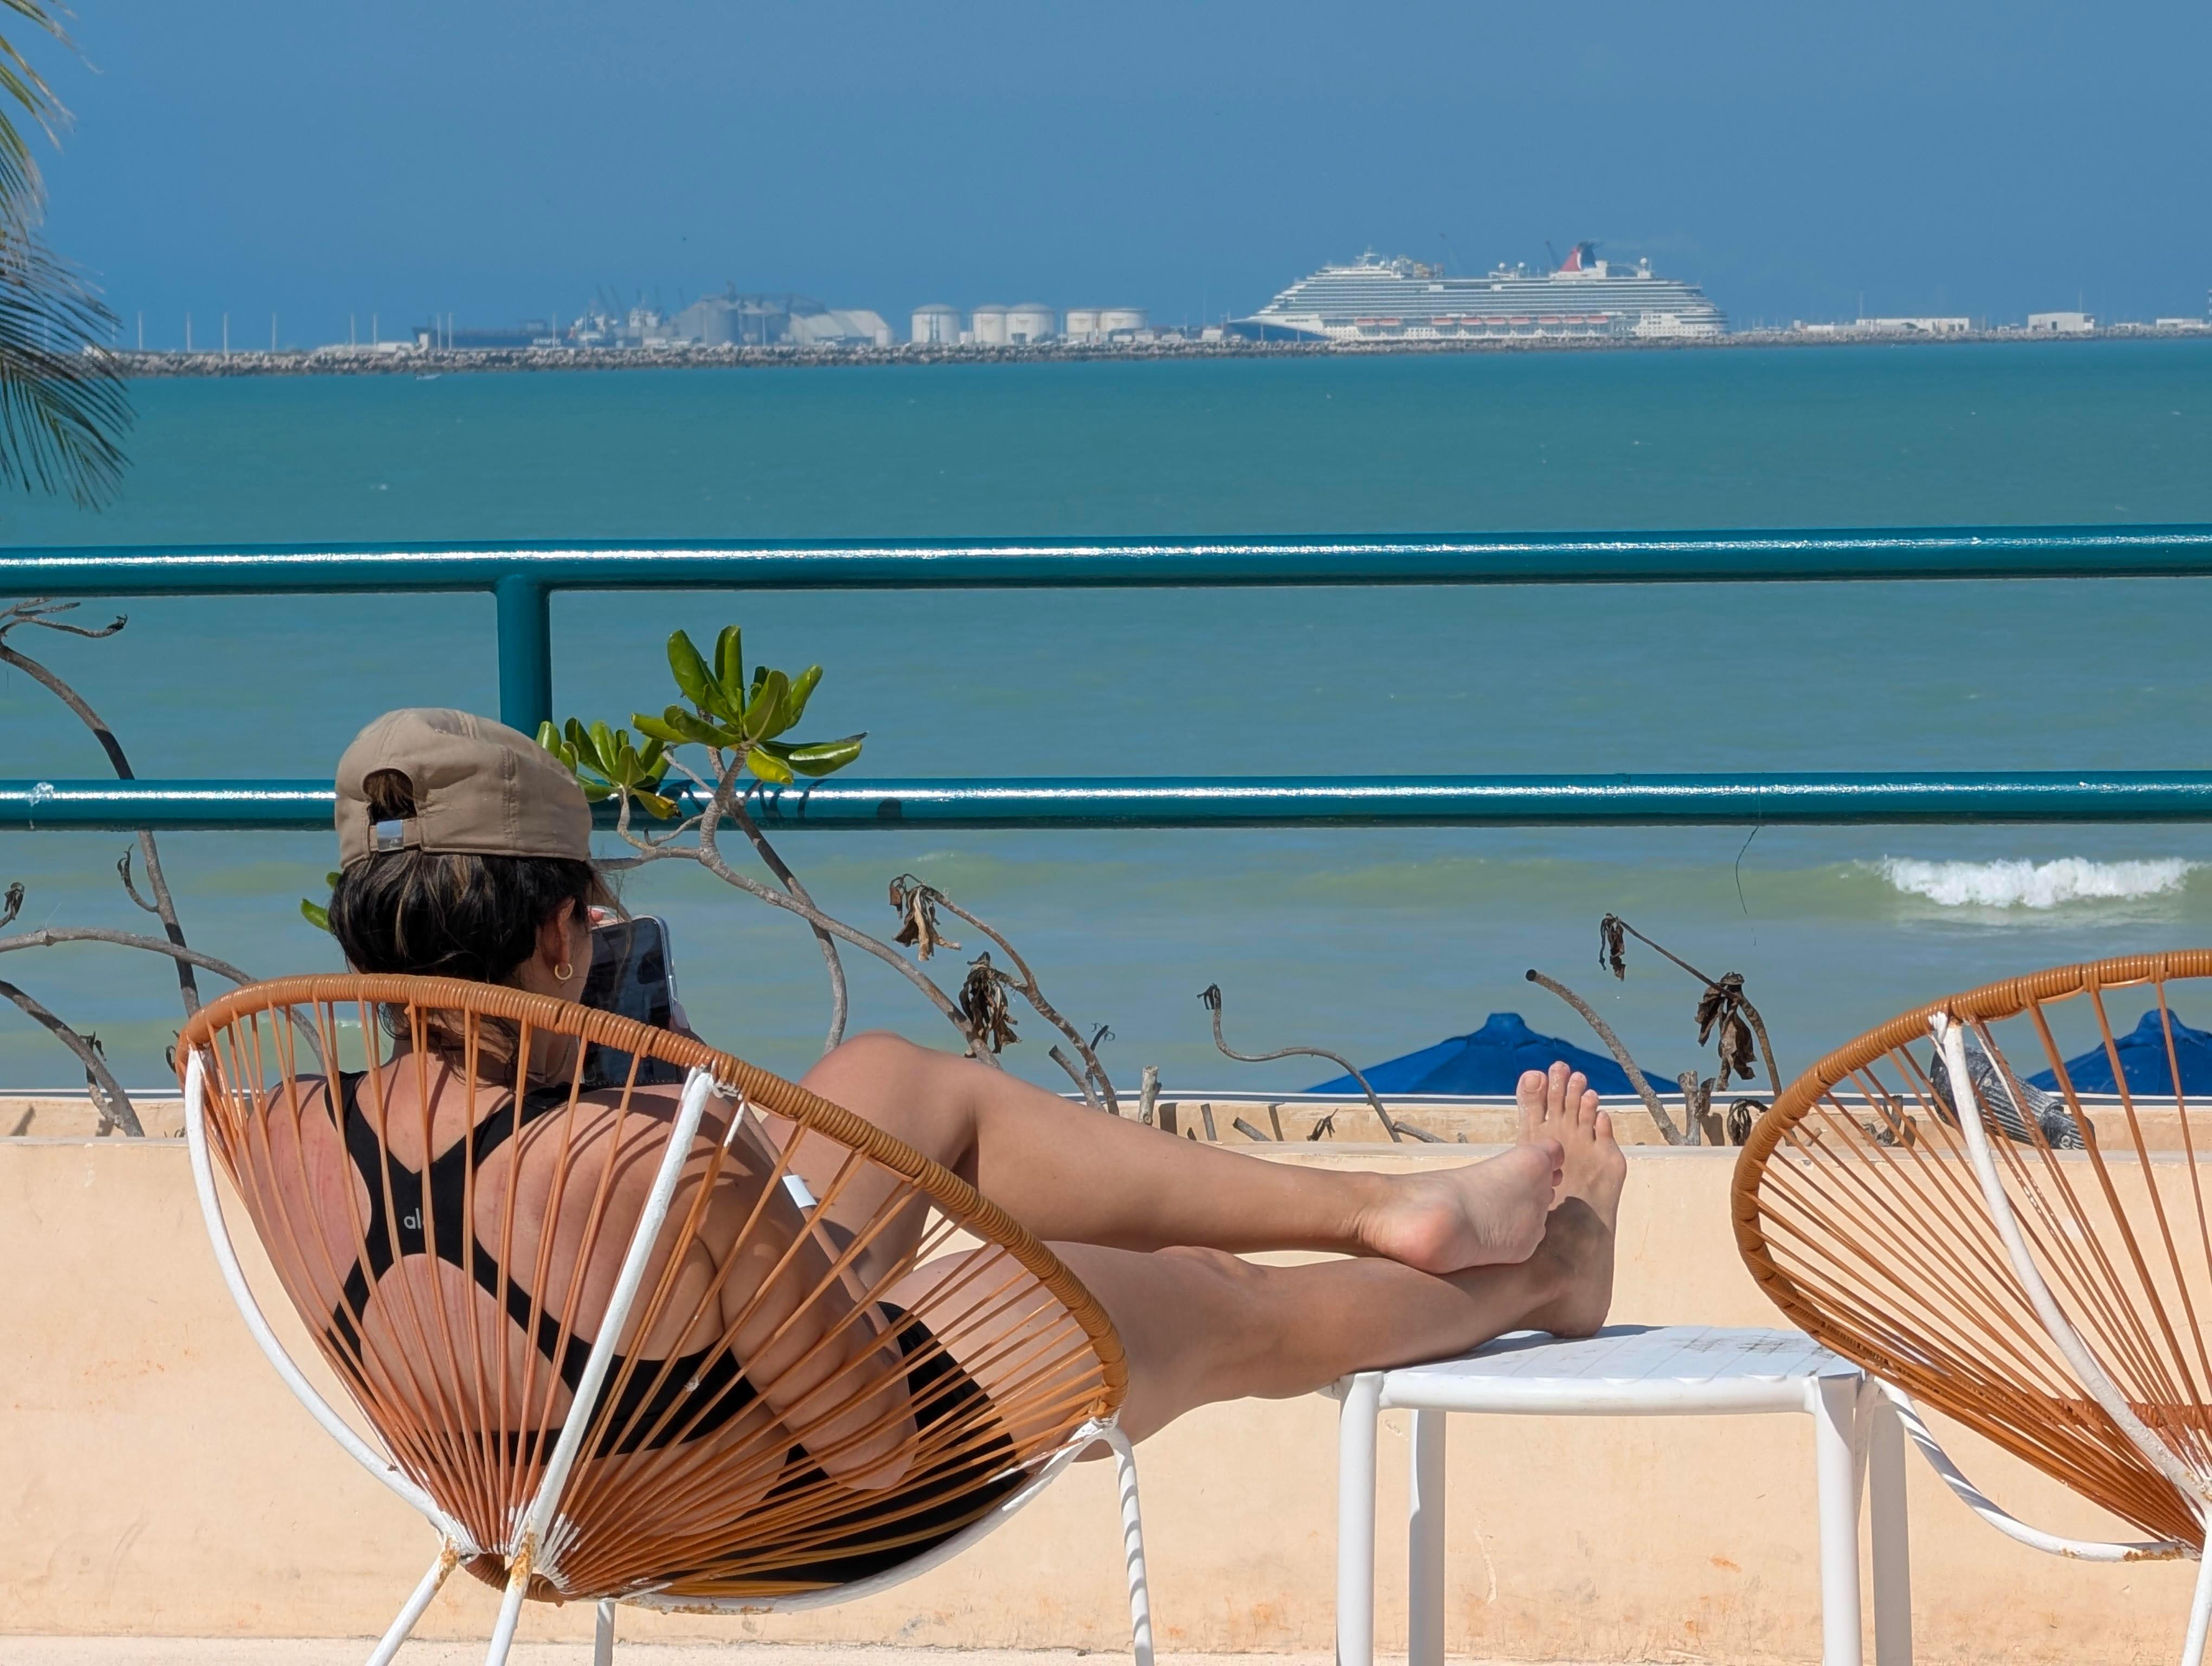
1736	1049
12	903
983	1003
1612	946
915	903
1741	1113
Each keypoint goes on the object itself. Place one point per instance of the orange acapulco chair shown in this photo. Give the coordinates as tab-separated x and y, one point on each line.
2021	1240
650	1403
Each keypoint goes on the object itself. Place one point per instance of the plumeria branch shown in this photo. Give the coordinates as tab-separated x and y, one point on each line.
916	900
42	614
1397	1131
108	1097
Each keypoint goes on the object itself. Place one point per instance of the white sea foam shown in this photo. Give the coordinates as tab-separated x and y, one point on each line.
2026	884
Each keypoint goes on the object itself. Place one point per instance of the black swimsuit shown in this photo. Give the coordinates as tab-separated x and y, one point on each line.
648	1412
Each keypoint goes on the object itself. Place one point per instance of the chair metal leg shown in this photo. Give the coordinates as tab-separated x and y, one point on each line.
1835	1402
1133	1548
510	1609
1425	1543
603	1636
1893	1545
1355	1519
2200	1615
448	1560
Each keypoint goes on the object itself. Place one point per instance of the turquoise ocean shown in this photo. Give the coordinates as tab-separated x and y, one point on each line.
1372	942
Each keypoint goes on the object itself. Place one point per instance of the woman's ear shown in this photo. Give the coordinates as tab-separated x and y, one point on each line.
557	940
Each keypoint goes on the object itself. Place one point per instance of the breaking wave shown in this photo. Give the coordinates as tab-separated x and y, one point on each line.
2026	884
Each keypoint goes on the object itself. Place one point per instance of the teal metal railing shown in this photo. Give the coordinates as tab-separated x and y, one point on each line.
522	579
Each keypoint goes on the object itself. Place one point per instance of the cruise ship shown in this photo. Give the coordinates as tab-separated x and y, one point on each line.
1374	299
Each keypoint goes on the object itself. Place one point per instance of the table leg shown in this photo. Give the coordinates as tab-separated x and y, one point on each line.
1425	1543
1355	1519
1892	1557
1835	1405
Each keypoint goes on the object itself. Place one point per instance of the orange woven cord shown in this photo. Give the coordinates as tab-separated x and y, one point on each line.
1857	1209
798	1398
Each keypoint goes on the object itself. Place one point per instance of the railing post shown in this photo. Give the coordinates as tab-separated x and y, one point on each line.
525	652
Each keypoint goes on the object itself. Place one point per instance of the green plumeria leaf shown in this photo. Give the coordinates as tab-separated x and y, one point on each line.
675	726
692	677
314	915
730	669
608	747
764	711
585	749
794	703
768	766
822	758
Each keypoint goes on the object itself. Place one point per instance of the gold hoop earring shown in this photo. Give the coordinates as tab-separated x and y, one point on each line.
564	971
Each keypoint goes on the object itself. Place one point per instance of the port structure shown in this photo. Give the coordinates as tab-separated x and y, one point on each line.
522	578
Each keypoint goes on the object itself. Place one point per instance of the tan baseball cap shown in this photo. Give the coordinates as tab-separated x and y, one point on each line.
480	788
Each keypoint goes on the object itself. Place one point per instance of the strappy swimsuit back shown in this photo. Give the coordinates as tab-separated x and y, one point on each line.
427	1213
423	1212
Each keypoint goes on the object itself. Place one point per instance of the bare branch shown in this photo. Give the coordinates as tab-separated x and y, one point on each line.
1644	1090
39	614
47	937
707	855
1211	996
835	967
1697	1099
108	1097
1090	1094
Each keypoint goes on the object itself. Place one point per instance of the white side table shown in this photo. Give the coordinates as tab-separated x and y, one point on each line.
1629	1370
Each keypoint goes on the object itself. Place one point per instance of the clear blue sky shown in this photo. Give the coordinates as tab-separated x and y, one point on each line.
500	157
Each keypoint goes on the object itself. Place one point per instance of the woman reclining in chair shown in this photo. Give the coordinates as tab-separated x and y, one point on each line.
816	1337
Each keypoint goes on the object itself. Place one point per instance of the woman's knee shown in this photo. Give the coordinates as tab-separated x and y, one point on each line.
873	1056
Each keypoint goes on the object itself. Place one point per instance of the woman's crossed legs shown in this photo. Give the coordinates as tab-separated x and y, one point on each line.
1436	1261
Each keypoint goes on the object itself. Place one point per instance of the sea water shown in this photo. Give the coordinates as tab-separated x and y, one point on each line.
1370	942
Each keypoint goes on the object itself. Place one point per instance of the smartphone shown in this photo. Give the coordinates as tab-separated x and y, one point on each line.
631	974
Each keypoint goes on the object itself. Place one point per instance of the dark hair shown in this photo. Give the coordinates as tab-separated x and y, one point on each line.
446	913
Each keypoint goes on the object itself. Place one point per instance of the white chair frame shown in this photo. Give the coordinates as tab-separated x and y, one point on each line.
1951	1037
536	1535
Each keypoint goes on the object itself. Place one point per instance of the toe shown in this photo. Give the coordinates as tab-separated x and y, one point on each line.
1555	1093
1529	1093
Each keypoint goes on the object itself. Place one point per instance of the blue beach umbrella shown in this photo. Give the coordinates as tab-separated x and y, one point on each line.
2143	1058
1490	1061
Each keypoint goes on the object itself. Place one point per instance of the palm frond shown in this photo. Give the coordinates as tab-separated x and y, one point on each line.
63	407
22	191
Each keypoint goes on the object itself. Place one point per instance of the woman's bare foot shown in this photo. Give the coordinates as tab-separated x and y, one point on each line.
1490	1213
1578	1237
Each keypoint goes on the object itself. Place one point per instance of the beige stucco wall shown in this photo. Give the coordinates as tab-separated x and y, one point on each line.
156	1479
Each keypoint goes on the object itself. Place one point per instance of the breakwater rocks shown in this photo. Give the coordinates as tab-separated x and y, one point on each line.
394	361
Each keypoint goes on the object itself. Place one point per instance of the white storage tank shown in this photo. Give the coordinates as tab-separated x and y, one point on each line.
1120	320
1082	323
936	325
987	325
1031	321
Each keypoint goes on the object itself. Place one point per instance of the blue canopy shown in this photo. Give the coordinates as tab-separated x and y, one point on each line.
1490	1060
2142	1057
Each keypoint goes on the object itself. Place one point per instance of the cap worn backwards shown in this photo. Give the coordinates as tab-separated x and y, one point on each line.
480	788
